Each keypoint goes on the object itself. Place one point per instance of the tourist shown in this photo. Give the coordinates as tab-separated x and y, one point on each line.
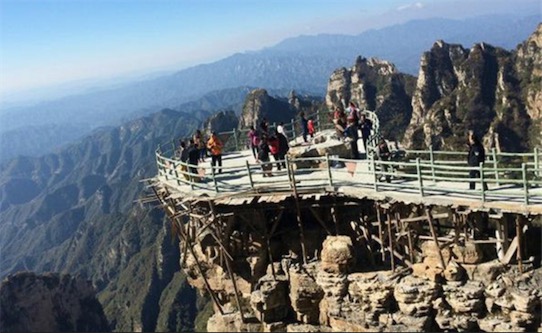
351	132
304	126
215	146
280	128
179	150
365	125
263	156
476	156
274	148
200	145
254	141
353	111
383	153
339	119
264	126
310	125
284	147
193	159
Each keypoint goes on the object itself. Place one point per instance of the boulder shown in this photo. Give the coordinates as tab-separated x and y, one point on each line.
305	296
270	301
415	295
470	253
337	254
466	299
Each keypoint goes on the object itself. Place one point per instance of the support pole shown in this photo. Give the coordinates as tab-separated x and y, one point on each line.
525	183
419	172
235	140
432	159
390	241
519	232
435	239
237	299
495	165
380	231
299	221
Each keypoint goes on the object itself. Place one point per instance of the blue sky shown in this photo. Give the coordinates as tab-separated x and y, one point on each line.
51	41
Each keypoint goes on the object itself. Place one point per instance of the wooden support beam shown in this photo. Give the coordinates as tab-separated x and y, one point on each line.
433	233
510	252
298	211
319	219
237	299
380	232
268	242
395	253
519	232
390	240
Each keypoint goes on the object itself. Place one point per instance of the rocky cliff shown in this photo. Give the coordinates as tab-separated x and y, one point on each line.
267	286
258	105
374	85
75	212
494	92
220	122
49	303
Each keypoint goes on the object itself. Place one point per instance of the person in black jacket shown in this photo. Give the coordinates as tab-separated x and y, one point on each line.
284	147
193	159
476	156
351	131
365	125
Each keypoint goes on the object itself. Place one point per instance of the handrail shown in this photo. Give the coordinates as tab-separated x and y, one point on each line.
509	174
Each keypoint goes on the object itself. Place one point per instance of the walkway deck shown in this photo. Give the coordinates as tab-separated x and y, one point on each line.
242	177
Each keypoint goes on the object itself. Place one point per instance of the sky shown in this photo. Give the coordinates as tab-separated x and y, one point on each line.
47	42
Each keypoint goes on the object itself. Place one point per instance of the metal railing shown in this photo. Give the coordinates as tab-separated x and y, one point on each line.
508	176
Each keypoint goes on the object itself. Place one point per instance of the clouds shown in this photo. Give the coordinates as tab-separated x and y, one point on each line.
416	5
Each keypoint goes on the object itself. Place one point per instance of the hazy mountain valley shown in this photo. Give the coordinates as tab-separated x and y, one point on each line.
75	210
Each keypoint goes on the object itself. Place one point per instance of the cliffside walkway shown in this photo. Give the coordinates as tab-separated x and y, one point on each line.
422	176
219	216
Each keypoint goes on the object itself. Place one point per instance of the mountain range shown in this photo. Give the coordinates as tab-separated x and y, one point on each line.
77	211
302	63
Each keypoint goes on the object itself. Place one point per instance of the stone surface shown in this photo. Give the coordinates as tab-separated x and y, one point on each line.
270	301
305	295
414	296
337	254
49	303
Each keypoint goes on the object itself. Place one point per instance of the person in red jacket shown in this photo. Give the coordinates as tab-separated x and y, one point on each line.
310	126
274	147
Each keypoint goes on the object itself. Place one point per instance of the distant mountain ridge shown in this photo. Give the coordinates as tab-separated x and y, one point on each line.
303	63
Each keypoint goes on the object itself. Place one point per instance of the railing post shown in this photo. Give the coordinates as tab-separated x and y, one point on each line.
293	129
375	176
176	173
525	184
235	140
214	179
249	174
419	172
495	165
481	169
432	159
329	170
288	171
536	162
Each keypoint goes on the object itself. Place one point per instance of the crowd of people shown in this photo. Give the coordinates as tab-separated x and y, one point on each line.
349	124
264	142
